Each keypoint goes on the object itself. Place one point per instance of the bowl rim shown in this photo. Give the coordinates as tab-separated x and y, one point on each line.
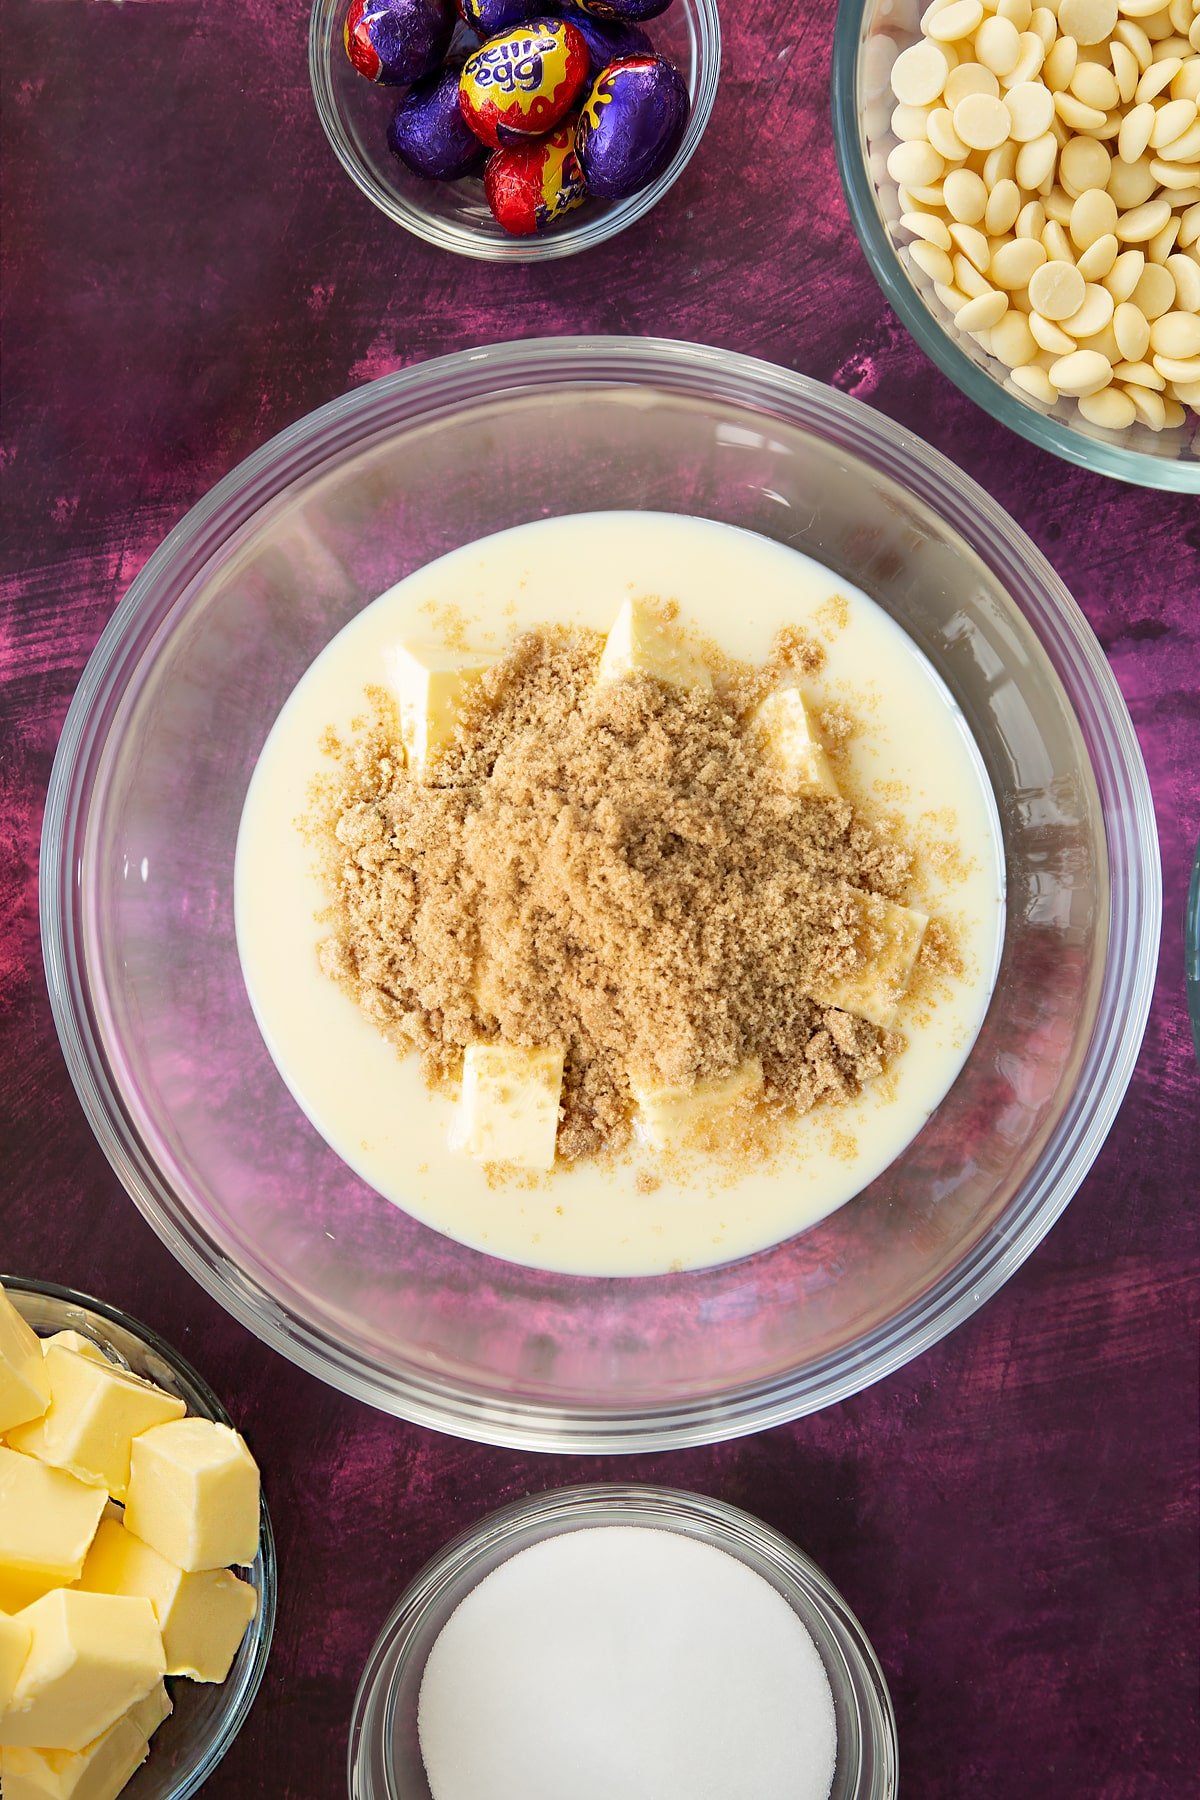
242	1692
823	1610
431	389
1094	454
704	26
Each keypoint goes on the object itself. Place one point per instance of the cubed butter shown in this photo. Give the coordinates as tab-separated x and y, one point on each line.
668	1117
194	1494
784	719
47	1522
889	942
429	685
203	1618
508	1110
96	1410
74	1340
24	1388
15	1639
93	1656
100	1771
641	642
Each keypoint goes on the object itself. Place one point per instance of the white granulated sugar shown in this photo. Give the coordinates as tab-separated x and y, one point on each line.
624	1663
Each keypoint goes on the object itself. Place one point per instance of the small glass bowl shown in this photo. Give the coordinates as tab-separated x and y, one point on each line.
385	1757
870	34
454	214
207	1716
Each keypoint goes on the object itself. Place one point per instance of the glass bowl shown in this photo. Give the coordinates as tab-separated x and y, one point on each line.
454	214
385	1758
207	1717
869	36
137	895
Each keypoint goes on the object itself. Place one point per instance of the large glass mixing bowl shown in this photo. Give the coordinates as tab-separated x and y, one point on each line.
137	895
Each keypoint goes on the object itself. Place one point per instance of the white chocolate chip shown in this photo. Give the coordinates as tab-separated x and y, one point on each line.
1111	408
1049	336
1141	373
934	262
1082	372
1094	215
1036	160
981	121
998	45
1087	21
1059	66
1057	290
1016	262
1177	368
942	135
1035	382
969	78
1132	332
1099	257
974	245
1176	334
927	226
1171	121
1155	291
981	313
958	20
1139	225
1095	86
919	74
1030	110
1093	315
1125	274
966	196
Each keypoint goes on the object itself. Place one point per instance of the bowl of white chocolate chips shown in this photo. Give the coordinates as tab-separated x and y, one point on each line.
1025	182
137	1572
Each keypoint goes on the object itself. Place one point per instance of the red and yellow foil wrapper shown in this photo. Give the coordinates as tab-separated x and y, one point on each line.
521	83
530	187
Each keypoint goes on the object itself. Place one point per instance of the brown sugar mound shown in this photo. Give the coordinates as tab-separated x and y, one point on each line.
616	869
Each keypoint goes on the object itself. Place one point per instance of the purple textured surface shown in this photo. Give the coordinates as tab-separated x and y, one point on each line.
187	271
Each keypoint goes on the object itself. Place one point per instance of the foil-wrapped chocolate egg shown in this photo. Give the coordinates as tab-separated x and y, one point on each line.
396	41
520	83
608	40
429	133
631	125
620	9
530	187
487	17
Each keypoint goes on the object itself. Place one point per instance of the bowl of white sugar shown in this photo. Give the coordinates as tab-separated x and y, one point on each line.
1025	184
631	1640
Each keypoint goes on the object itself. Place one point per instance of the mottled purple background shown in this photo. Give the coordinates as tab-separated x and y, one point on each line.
187	271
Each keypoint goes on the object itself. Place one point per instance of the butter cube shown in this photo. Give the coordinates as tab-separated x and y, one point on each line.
429	684
784	720
47	1522
24	1389
668	1116
15	1639
508	1111
93	1656
203	1618
890	938
100	1771
74	1340
194	1494
640	642
96	1410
